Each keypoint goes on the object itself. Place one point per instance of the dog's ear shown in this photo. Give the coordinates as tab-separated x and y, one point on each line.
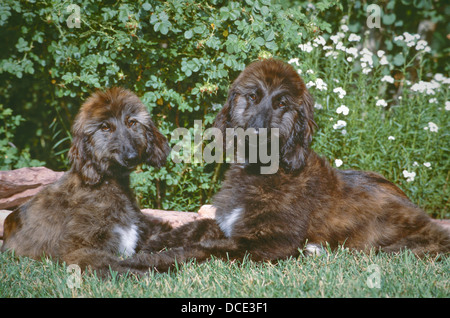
296	149
157	148
80	158
223	117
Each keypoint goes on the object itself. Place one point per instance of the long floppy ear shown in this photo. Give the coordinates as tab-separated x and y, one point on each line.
296	149
157	148
81	159
223	117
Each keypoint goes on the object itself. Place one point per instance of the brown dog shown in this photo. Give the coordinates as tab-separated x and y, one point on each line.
272	216
90	215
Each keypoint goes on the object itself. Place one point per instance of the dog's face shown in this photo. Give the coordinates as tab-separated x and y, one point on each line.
113	133
270	94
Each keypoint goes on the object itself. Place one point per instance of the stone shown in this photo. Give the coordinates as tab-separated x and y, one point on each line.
175	218
207	210
18	186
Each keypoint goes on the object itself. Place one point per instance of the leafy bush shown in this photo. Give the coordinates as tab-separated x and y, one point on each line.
181	56
11	157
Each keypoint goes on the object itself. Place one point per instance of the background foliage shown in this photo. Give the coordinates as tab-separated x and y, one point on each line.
181	56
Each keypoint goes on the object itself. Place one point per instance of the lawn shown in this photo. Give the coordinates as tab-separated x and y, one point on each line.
339	273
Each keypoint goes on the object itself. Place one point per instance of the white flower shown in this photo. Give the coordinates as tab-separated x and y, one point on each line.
432	127
334	54
352	50
310	84
388	78
398	38
309	72
306	47
340	46
415	164
433	100
344	28
366	57
292	61
338	162
336	38
340	124
384	61
319	41
381	102
366	70
380	53
426	87
439	77
410	37
342	110
422	44
321	85
391	138
447	105
354	38
349	59
318	106
344	132
427	164
340	91
409	175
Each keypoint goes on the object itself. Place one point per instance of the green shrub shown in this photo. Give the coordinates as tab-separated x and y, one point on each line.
180	58
10	156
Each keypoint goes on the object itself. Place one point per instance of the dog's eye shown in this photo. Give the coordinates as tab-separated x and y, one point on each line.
131	122
105	127
252	97
281	104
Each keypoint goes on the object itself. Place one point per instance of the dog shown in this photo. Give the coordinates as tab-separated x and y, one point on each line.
90	215
305	205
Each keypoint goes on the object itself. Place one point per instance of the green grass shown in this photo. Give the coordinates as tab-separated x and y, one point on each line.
335	274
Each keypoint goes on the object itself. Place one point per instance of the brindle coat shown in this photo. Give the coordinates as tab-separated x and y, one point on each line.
272	216
90	215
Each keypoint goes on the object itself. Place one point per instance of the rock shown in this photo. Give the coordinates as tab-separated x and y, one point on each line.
18	186
175	218
207	211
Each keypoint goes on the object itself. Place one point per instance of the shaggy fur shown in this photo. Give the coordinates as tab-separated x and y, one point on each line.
273	216
90	214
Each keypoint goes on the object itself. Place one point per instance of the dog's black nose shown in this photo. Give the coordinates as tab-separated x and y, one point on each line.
131	158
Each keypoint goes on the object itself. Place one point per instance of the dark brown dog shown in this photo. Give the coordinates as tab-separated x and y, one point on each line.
272	216
90	215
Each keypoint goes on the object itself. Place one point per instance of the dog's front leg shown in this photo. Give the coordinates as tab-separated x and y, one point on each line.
185	235
97	260
163	261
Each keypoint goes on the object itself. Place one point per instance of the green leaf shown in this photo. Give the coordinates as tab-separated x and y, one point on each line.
188	34
399	59
388	19
269	35
271	45
147	6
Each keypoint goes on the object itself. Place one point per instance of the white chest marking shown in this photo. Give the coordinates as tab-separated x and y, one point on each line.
227	222
128	239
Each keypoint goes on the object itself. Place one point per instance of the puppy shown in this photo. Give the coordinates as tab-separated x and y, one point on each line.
90	215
